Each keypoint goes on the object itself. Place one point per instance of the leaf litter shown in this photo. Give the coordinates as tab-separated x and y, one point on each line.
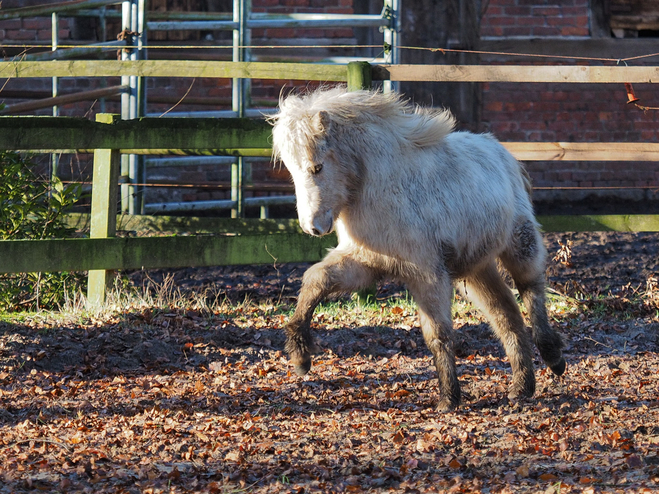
174	396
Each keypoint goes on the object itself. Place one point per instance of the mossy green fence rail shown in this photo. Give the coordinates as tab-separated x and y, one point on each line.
242	241
238	242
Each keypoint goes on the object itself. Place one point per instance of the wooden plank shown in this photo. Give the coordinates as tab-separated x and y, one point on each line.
192	251
245	137
516	73
601	223
107	167
175	68
584	151
18	256
217	135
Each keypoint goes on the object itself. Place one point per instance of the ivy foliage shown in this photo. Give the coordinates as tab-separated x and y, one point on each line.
33	208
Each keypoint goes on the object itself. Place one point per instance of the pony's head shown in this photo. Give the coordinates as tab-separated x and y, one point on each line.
304	139
329	137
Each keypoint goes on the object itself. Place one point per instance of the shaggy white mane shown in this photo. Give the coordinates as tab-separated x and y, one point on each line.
417	126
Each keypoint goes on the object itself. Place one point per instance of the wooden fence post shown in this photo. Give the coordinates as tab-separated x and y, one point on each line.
359	76
107	165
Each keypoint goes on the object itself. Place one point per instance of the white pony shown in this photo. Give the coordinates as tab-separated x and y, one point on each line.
412	200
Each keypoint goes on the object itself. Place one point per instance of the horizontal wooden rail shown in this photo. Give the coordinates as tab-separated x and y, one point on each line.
245	137
584	151
224	136
215	250
600	223
327	72
17	256
516	73
175	68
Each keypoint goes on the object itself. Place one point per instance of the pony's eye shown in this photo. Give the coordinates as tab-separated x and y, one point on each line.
317	168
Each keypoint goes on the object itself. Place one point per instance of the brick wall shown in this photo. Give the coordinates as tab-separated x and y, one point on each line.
567	112
536	18
513	112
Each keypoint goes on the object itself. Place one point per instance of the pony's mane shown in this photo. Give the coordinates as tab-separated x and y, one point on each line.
418	126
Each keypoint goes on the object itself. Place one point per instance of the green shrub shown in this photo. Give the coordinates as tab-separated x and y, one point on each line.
32	208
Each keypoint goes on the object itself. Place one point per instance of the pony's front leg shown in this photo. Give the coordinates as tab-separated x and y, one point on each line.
336	273
434	303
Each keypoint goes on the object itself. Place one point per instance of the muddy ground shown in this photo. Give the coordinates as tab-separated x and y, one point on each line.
173	399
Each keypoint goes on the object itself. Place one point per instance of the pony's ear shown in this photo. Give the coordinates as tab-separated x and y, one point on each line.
322	122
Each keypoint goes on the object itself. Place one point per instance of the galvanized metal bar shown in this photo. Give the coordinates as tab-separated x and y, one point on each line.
63	100
269	201
103	210
97	13
178	206
54	26
392	10
312	21
64	54
191	25
238	104
249	113
190	161
171	207
48	9
190	224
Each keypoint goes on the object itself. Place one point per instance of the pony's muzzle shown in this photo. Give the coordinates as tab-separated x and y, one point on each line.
321	225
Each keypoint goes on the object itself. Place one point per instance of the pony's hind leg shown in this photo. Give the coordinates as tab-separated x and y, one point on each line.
434	302
525	261
489	292
336	273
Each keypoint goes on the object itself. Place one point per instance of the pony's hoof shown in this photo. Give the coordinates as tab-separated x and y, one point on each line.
559	367
446	405
519	398
303	368
522	390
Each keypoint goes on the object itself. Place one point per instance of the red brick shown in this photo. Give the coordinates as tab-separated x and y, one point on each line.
574	31
517	31
494	10
11	24
295	3
549	11
517	11
39	23
530	21
493	31
340	33
280	33
22	34
545	31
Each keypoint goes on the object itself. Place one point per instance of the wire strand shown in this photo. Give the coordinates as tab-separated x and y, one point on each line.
306	47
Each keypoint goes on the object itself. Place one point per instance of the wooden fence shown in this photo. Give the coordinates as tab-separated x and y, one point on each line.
244	241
